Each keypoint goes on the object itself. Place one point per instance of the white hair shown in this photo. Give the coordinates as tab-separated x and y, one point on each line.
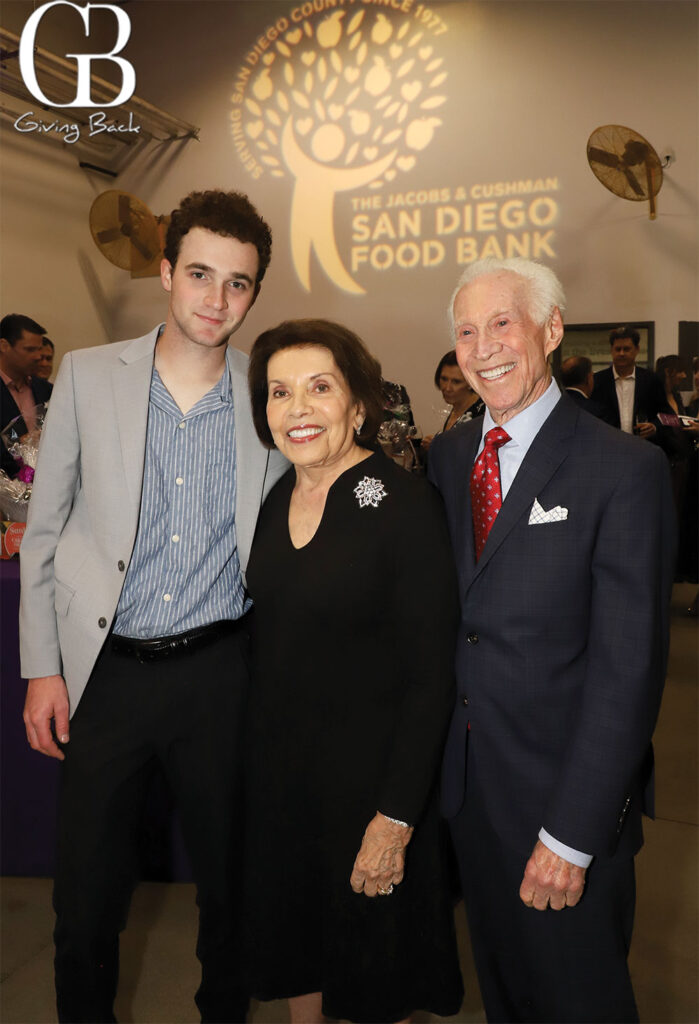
544	290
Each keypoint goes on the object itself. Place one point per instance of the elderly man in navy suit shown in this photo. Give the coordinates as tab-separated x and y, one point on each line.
560	662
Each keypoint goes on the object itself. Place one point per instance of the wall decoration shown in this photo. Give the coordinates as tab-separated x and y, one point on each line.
349	104
338	103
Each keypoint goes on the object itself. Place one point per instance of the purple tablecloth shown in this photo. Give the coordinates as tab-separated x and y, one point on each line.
28	781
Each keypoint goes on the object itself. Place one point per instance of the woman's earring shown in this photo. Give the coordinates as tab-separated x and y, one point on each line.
358	428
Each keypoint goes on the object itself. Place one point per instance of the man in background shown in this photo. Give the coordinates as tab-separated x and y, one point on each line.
560	660
21	387
45	368
630	395
578	380
133	605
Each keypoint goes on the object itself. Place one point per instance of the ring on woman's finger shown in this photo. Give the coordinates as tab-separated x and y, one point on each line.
385	892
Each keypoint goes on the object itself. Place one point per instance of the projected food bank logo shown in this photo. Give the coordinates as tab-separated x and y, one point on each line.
344	96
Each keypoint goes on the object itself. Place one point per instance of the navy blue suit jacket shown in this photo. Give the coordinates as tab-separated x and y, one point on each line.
648	397
563	639
588	404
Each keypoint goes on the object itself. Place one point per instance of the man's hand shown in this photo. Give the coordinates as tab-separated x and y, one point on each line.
47	699
550	881
645	429
381	858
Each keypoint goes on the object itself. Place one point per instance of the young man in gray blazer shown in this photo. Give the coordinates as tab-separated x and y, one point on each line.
133	612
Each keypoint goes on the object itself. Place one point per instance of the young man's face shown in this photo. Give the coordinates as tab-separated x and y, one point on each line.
22	358
212	286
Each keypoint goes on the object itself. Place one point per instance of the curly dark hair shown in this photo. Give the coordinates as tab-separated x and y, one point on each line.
354	361
225	213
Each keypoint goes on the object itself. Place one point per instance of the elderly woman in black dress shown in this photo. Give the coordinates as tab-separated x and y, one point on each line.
351	573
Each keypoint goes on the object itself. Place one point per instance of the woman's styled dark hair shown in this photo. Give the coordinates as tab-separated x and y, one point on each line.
448	359
667	364
225	213
359	368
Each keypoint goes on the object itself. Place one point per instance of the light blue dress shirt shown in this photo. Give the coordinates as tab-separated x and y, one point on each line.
522	429
184	570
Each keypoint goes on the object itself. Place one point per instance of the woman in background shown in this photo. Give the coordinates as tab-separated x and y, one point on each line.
681	449
348	899
688	549
670	373
692	408
456	392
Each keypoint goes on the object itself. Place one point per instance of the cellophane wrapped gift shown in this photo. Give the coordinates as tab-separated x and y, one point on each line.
23	446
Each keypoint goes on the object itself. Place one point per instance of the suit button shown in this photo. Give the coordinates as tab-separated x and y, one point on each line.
472	638
464	701
120	566
624	811
102	623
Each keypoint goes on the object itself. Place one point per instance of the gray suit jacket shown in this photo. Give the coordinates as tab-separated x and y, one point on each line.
84	511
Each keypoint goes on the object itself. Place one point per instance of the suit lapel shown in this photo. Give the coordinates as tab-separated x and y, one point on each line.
641	394
243	465
131	377
548	450
250	462
613	397
10	407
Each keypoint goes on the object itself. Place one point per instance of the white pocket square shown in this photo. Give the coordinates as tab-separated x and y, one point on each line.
538	515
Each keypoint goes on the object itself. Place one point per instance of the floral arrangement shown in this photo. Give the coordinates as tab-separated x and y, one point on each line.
23	446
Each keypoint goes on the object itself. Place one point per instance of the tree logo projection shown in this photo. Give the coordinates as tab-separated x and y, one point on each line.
339	103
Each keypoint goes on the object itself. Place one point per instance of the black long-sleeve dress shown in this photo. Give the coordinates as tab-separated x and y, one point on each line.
354	686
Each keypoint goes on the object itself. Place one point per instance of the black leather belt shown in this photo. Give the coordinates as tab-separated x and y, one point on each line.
157	648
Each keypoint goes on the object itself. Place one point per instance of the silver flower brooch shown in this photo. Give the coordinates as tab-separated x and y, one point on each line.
370	491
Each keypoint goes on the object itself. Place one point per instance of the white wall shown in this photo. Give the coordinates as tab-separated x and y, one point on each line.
527	83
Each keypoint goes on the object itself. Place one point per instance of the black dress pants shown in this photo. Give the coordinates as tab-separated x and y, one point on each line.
187	713
543	967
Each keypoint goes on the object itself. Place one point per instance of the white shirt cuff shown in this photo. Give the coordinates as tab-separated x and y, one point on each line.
581	860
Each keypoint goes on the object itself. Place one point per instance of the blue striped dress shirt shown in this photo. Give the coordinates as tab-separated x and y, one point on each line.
184	570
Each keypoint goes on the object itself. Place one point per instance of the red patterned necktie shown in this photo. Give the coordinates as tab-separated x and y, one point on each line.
486	493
